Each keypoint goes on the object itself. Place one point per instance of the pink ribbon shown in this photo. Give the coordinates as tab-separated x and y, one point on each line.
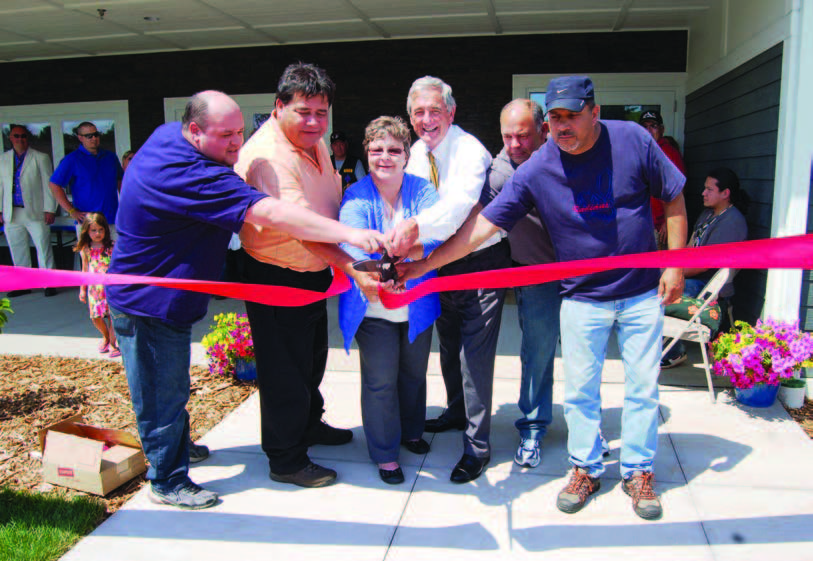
18	278
776	253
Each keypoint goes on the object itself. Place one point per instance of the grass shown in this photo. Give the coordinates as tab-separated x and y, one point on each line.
37	527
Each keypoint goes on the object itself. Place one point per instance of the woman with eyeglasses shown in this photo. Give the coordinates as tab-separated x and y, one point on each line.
393	344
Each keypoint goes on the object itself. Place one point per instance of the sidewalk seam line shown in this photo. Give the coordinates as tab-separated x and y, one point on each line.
406	504
686	479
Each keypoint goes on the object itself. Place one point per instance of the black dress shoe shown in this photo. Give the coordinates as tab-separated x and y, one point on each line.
50	292
15	293
442	424
391	476
323	433
416	446
312	475
468	469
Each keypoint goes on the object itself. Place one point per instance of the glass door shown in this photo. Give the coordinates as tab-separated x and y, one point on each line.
623	96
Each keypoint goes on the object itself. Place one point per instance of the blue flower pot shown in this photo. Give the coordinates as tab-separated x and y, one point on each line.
761	395
245	370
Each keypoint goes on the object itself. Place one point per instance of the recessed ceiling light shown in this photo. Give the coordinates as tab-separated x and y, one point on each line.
152	19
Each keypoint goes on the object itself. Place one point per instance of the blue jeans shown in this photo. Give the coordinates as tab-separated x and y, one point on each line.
156	356
586	328
538	309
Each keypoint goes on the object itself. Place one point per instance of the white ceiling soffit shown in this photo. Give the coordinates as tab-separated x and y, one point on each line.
42	29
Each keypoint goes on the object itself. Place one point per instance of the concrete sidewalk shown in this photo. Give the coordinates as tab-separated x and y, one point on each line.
734	481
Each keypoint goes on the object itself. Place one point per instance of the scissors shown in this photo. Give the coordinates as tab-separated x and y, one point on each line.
385	267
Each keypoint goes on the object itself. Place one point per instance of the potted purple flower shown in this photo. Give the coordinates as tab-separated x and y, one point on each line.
758	358
230	348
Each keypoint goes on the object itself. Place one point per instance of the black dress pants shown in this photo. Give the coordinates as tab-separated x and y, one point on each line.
290	344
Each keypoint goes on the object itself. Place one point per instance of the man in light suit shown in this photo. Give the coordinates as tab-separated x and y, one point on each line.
28	204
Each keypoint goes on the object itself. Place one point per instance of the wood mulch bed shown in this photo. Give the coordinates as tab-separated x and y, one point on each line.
37	391
804	416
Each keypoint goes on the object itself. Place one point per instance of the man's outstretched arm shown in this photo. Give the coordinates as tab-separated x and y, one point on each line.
303	224
474	231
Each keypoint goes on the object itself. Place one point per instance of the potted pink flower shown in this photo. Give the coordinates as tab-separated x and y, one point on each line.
757	358
230	348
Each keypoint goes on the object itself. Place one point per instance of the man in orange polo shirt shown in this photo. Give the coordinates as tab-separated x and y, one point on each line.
287	158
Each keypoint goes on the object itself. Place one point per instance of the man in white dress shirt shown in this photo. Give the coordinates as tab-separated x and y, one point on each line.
28	207
469	324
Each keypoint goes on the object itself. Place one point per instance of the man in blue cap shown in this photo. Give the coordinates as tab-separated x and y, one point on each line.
591	187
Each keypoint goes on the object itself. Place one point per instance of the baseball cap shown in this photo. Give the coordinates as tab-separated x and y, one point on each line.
338	135
569	92
651	115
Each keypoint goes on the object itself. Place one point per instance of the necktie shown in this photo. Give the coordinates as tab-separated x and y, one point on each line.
433	170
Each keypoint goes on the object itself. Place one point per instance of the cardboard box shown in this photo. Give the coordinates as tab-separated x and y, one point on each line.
88	458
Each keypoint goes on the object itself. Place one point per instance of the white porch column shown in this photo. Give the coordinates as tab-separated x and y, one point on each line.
793	158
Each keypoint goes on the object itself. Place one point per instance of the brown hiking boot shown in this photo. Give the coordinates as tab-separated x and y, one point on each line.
573	497
645	502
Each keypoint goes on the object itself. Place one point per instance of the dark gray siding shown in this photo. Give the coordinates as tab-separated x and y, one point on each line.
372	77
733	122
806	305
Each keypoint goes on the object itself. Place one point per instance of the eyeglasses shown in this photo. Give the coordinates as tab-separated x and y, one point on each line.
19	136
96	134
392	152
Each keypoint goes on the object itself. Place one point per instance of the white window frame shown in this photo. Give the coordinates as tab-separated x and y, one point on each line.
55	113
667	89
249	104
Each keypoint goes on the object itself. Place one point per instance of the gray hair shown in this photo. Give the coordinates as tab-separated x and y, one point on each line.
432	83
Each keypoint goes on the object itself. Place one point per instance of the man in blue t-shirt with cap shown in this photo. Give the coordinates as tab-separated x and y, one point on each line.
591	187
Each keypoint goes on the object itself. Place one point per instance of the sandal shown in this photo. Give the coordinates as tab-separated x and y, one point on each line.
115	353
104	347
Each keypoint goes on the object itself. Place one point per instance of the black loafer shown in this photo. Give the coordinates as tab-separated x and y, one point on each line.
468	469
16	293
416	446
391	476
312	475
50	292
442	424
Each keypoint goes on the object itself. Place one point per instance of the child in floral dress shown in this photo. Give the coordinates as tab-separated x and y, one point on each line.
95	247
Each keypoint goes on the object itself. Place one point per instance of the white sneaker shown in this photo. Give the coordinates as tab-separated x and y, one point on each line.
528	453
667	363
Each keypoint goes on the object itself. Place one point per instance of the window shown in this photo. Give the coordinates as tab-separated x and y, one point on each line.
623	96
52	125
256	110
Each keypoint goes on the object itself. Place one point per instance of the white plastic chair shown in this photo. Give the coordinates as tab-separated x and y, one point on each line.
691	329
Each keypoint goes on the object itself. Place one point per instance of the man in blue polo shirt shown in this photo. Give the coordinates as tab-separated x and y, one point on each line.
94	176
181	201
591	187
